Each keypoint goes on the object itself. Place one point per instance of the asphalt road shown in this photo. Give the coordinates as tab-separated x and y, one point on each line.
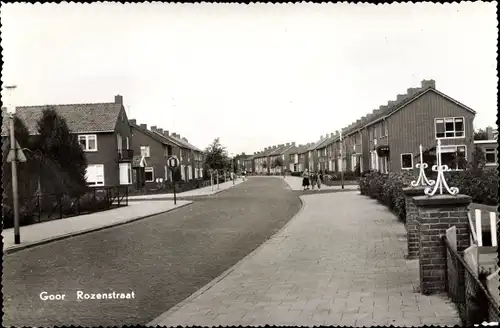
162	259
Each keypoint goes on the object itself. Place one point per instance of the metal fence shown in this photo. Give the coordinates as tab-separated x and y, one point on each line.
474	303
48	207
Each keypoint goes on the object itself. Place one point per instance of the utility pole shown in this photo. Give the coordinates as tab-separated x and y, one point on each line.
15	191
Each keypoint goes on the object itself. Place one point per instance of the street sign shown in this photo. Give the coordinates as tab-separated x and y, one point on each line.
173	161
20	154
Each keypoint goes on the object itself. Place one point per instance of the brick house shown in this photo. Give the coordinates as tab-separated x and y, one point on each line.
325	153
297	158
389	137
155	146
190	157
314	155
280	151
261	160
489	147
103	132
249	163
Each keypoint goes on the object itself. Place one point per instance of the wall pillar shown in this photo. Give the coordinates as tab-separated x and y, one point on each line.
411	224
436	214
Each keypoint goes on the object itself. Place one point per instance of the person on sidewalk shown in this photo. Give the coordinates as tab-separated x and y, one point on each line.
305	179
318	180
243	174
313	180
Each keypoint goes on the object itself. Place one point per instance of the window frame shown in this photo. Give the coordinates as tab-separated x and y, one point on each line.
95	183
490	150
87	137
152	170
145	147
454	118
455	152
402	163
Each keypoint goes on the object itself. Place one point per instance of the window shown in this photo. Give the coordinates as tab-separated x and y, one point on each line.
88	142
491	156
94	175
383	129
407	161
145	151
149	174
454	157
180	154
128	143
125	173
451	127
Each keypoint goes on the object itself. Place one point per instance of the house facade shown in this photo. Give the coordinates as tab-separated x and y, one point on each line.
155	146
489	147
388	139
103	132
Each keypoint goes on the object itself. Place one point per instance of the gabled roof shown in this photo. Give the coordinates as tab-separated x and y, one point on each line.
301	149
398	105
328	141
155	136
316	144
281	150
81	118
184	143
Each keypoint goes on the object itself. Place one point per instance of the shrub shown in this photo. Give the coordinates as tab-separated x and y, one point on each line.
481	185
296	174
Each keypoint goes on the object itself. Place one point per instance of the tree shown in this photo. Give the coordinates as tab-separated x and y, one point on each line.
61	159
278	162
478	159
480	135
24	173
216	157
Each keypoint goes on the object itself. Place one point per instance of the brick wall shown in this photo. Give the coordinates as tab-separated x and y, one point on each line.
412	227
436	214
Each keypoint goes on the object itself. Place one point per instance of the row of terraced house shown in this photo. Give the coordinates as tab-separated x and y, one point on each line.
118	150
387	139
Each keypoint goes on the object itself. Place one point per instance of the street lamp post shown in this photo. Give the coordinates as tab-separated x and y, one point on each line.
15	192
232	168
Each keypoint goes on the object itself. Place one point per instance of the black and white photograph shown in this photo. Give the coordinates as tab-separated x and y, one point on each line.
248	164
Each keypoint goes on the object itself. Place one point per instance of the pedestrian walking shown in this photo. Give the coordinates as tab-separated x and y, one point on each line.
313	180
243	174
305	179
318	180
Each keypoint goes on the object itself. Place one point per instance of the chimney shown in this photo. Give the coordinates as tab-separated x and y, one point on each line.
282	145
134	122
178	136
383	108
331	135
153	128
489	133
118	100
293	143
428	84
412	91
144	126
400	98
166	133
185	139
390	103
174	135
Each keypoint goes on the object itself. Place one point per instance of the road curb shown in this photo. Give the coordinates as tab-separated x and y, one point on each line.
188	198
15	249
199	292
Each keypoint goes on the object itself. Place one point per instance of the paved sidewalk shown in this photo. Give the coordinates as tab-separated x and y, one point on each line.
42	233
340	261
295	183
205	191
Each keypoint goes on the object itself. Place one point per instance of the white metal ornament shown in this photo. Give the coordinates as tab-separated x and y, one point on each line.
422	179
440	180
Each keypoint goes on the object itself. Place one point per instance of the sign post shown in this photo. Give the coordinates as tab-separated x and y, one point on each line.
173	163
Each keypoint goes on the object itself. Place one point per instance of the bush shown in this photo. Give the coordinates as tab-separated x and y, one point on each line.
296	174
481	185
348	176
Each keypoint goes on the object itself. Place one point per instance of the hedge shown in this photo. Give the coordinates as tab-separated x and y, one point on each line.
481	185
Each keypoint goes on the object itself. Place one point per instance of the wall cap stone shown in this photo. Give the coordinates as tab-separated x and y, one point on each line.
438	200
414	191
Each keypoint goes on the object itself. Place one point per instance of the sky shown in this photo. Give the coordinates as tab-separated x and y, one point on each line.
253	75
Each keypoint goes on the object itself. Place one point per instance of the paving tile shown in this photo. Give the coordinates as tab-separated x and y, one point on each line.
316	271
